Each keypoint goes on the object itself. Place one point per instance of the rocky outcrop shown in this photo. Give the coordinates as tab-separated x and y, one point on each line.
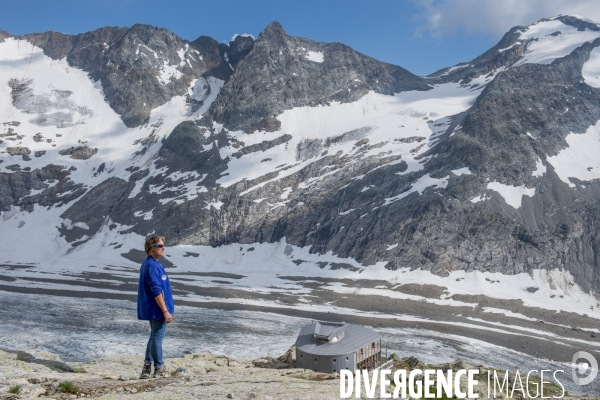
203	375
88	214
79	153
19	151
52	184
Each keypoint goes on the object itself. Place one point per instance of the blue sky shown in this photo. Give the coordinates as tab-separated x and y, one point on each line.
419	35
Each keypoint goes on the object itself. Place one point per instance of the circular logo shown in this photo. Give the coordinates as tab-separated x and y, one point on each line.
584	372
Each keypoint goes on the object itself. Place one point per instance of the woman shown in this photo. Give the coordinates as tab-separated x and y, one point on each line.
155	304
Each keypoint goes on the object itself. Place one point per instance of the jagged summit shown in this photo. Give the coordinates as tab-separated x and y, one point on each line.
140	68
273	28
281	72
512	48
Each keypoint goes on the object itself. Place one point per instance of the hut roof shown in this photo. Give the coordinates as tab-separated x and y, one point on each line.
331	339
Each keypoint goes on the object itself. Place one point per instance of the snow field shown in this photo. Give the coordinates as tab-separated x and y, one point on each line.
512	195
580	159
261	266
551	40
591	69
400	116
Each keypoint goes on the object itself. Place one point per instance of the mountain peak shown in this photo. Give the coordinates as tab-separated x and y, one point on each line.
274	28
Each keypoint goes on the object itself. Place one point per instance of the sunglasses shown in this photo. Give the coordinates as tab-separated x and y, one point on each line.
158	246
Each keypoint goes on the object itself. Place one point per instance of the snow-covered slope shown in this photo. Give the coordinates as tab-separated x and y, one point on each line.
483	172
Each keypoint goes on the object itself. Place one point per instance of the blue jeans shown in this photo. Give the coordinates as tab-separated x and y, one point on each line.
154	346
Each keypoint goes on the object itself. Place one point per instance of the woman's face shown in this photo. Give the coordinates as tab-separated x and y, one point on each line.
158	250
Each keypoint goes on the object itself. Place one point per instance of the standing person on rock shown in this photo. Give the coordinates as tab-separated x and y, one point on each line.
155	304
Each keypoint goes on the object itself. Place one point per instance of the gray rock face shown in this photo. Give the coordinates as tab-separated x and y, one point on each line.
236	50
439	230
355	134
281	72
263	146
18	151
53	180
580	24
193	148
308	148
140	68
93	209
551	230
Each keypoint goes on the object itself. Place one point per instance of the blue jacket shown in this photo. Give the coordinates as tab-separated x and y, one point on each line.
153	281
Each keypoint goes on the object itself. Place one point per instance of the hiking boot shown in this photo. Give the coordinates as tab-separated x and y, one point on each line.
146	371
161	372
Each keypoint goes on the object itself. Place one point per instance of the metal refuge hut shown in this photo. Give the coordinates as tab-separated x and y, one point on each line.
331	347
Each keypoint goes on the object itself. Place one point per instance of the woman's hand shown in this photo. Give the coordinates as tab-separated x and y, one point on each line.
168	317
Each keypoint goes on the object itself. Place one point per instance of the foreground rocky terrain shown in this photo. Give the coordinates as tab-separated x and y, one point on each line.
37	374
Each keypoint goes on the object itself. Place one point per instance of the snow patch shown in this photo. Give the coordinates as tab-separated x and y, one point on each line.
591	69
479	198
544	47
418	187
205	90
454	68
147	215
68	224
316	56
509	47
168	72
512	195
286	193
540	168
462	171
215	204
580	160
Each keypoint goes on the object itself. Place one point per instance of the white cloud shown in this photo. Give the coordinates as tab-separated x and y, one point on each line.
242	35
451	17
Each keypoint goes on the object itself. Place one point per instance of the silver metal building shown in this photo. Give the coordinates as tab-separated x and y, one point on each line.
330	347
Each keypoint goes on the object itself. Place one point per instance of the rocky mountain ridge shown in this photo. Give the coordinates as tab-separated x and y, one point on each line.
284	138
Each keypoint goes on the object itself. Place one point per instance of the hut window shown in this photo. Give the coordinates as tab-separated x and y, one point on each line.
334	371
346	358
316	360
372	345
300	355
334	360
